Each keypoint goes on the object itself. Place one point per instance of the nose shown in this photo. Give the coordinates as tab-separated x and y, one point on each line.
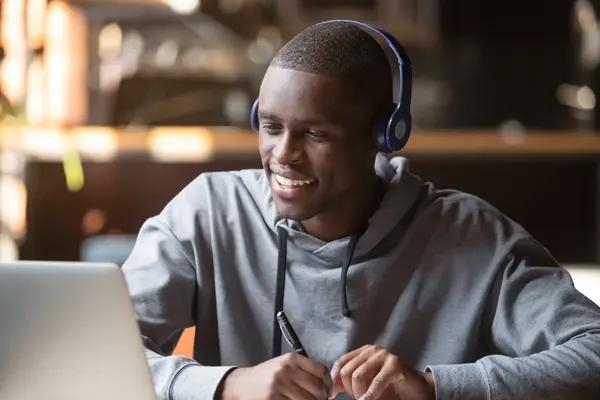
288	148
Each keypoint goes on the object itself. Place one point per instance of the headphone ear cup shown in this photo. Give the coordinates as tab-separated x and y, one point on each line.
380	129
254	116
398	130
392	129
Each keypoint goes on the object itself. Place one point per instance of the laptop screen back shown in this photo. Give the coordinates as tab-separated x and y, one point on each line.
68	331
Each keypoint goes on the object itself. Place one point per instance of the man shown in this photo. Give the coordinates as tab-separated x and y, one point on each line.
396	289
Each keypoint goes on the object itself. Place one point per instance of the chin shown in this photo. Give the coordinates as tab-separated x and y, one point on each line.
293	212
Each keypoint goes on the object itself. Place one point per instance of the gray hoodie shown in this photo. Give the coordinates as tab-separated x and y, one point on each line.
440	278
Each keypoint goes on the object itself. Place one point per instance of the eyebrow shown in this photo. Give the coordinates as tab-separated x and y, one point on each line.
268	115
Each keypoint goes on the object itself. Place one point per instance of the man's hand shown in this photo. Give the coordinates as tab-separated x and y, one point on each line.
373	373
289	376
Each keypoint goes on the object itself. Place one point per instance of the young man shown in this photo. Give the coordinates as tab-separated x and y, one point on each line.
397	290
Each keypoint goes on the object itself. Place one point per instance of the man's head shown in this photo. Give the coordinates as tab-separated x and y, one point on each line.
319	101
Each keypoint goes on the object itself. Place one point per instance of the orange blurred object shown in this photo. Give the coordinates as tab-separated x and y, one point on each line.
185	346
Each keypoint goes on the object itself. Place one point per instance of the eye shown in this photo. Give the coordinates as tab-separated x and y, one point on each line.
270	128
316	134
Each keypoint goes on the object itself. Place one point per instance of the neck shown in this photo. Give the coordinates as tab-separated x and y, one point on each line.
347	218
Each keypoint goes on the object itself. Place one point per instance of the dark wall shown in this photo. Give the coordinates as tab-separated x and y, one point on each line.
504	60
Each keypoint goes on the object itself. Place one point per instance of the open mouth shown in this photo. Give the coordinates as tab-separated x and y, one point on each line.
291	183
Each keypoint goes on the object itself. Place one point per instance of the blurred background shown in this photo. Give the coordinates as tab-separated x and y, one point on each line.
109	108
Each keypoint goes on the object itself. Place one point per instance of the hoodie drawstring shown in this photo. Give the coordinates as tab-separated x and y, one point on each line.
280	286
281	267
351	246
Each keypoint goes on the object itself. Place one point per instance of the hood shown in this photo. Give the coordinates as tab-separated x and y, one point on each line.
401	191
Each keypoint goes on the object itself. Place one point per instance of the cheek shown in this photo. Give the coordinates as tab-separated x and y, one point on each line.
322	159
341	164
265	147
333	171
354	166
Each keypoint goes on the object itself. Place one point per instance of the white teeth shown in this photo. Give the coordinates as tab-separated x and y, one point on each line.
283	181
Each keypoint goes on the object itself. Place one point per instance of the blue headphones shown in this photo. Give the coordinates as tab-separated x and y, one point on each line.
393	128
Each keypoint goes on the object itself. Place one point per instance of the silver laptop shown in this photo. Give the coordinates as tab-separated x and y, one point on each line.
68	331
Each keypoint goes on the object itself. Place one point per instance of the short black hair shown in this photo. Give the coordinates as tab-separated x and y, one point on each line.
333	48
340	49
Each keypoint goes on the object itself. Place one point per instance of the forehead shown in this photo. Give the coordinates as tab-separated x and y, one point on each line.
289	93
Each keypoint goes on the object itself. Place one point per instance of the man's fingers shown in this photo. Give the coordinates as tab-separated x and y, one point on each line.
364	374
391	372
336	379
344	359
313	368
311	384
361	379
308	365
349	372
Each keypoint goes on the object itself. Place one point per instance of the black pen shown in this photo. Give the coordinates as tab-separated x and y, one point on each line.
289	334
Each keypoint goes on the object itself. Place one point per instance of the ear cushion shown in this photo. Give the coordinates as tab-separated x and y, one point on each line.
254	116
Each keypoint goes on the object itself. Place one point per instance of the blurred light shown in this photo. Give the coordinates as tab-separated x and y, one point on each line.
565	93
12	72
131	53
166	54
181	145
36	18
13	198
589	38
194	58
66	63
35	107
43	143
586	99
268	40
109	76
8	248
432	94
265	46
272	35
97	143
13	75
237	105
260	51
221	63
57	18
512	132
110	40
12	161
579	97
184	6
93	221
586	17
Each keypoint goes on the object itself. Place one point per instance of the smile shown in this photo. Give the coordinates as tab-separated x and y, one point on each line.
286	182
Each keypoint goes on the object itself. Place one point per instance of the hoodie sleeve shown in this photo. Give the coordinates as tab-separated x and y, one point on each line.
542	334
163	284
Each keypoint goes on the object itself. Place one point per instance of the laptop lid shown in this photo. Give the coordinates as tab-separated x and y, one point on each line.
68	331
